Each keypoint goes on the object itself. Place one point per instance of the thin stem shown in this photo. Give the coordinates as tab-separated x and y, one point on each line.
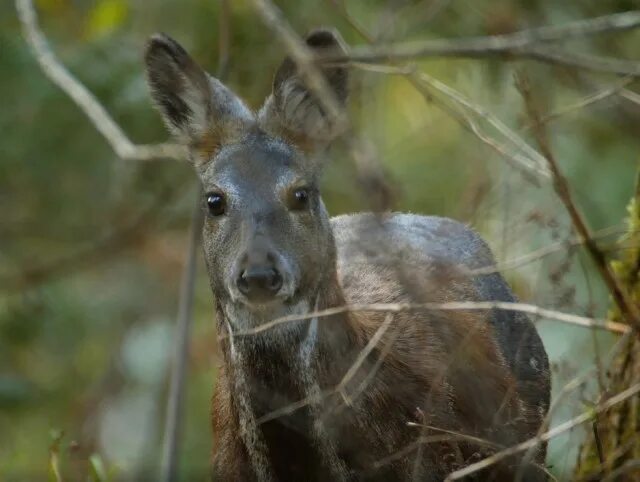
561	185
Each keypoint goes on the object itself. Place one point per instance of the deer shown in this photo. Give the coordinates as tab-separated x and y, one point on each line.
353	395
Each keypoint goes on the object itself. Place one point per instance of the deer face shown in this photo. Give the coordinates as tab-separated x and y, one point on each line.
266	236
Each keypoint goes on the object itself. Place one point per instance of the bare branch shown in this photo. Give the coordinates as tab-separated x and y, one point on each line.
454	436
519	153
533	161
540	253
373	342
586	62
83	98
175	400
525	44
617	89
545	437
630	96
304	59
425	440
576	382
287	409
369	168
629	466
621	297
570	318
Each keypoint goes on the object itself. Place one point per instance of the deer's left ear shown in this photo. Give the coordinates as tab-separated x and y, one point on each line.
292	111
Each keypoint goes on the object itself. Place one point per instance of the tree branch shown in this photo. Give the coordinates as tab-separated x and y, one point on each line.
373	176
304	60
175	398
174	415
545	437
584	321
617	89
621	297
539	253
523	44
83	98
522	156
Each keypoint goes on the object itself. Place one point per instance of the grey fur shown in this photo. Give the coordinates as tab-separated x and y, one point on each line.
256	163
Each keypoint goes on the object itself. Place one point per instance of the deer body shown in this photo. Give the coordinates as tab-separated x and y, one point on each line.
361	395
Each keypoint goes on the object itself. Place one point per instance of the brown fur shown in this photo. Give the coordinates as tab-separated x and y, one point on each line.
444	370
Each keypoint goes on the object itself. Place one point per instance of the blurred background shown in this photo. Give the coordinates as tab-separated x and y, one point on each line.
92	247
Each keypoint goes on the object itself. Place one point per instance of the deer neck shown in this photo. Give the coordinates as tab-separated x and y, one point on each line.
267	372
303	347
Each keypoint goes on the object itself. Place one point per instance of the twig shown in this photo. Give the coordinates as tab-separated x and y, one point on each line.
523	44
538	253
224	39
596	436
630	96
631	465
470	438
522	162
561	186
545	437
354	394
473	439
532	164
616	89
422	440
304	59
568	388
369	168
341	387
175	399
292	407
83	98
538	166
370	346
529	163
614	327
584	62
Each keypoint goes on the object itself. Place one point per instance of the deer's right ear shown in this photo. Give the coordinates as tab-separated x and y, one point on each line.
292	111
197	108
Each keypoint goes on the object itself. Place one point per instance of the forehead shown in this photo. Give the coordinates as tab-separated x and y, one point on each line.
257	160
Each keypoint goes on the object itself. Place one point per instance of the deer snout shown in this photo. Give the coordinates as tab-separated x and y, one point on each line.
259	283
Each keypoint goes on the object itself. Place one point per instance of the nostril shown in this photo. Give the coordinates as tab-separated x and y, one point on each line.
275	281
259	282
243	283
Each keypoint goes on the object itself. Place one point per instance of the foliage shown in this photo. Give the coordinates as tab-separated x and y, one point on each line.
617	429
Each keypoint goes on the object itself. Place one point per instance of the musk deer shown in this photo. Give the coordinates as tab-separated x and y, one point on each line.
320	398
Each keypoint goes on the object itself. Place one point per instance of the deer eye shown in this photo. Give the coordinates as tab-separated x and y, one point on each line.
216	204
299	199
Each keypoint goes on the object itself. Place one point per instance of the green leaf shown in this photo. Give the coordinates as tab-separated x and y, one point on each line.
106	17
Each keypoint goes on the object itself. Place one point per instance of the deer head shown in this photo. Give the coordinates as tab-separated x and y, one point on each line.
267	240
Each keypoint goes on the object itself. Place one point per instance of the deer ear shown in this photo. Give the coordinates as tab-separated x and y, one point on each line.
197	108
292	111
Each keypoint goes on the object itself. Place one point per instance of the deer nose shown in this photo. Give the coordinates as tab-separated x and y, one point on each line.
259	283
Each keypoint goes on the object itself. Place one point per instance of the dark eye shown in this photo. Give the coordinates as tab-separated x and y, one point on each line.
216	204
300	199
